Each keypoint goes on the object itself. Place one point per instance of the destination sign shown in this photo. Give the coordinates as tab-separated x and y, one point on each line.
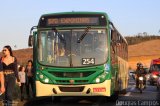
73	21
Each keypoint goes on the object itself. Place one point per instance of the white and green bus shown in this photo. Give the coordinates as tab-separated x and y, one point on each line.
78	54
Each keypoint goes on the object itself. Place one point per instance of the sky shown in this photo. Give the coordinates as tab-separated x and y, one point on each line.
129	16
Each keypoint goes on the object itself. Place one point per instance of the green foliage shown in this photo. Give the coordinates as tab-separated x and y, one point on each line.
140	38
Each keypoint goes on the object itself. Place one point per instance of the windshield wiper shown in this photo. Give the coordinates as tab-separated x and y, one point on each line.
59	35
83	35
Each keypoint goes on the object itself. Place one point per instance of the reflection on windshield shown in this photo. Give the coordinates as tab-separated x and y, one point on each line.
156	67
61	48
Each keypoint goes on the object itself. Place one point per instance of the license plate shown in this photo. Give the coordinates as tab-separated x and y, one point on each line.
102	89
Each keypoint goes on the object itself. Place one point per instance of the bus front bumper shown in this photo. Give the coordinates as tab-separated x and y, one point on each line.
101	89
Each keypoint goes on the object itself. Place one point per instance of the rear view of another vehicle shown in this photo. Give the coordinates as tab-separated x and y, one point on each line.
154	71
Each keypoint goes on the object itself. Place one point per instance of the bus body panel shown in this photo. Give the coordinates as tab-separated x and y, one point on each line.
123	74
118	70
95	89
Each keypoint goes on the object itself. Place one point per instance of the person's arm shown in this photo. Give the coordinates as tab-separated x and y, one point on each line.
33	72
2	89
136	73
16	70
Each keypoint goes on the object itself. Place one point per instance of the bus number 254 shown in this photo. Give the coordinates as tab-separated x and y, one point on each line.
87	61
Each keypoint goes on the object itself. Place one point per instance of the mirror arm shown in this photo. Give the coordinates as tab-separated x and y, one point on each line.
30	40
34	27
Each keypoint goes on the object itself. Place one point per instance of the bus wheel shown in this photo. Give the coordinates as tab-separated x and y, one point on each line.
113	97
56	99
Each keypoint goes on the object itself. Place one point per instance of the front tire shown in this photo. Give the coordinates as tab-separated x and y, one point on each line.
57	99
113	97
140	88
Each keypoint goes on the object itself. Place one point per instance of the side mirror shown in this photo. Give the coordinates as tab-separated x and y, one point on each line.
30	41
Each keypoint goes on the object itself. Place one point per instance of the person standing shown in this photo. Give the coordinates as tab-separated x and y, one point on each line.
2	88
9	63
22	76
30	78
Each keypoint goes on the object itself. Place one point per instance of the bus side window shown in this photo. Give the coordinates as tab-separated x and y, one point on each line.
113	46
113	39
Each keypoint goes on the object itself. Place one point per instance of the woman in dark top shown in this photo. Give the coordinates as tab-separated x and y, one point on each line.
30	79
9	63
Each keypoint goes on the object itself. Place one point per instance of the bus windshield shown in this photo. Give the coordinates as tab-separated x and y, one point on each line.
60	48
156	67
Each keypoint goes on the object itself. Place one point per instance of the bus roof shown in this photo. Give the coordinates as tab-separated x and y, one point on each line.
74	12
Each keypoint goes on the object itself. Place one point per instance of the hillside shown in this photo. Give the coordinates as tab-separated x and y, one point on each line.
143	52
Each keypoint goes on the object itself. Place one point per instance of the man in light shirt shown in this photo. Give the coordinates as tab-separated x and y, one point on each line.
22	77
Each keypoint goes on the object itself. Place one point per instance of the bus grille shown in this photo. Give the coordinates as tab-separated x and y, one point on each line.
72	74
71	89
67	81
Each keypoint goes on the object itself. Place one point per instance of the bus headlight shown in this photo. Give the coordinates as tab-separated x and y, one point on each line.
154	76
100	78
97	80
141	78
44	78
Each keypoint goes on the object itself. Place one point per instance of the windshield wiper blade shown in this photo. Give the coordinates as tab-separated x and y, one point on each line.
83	35
59	35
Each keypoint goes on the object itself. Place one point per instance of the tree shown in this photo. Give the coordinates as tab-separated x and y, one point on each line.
145	34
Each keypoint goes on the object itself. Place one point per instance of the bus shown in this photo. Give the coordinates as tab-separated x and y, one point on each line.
78	54
154	71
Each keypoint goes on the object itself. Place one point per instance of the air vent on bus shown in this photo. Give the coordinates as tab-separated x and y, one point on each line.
71	89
